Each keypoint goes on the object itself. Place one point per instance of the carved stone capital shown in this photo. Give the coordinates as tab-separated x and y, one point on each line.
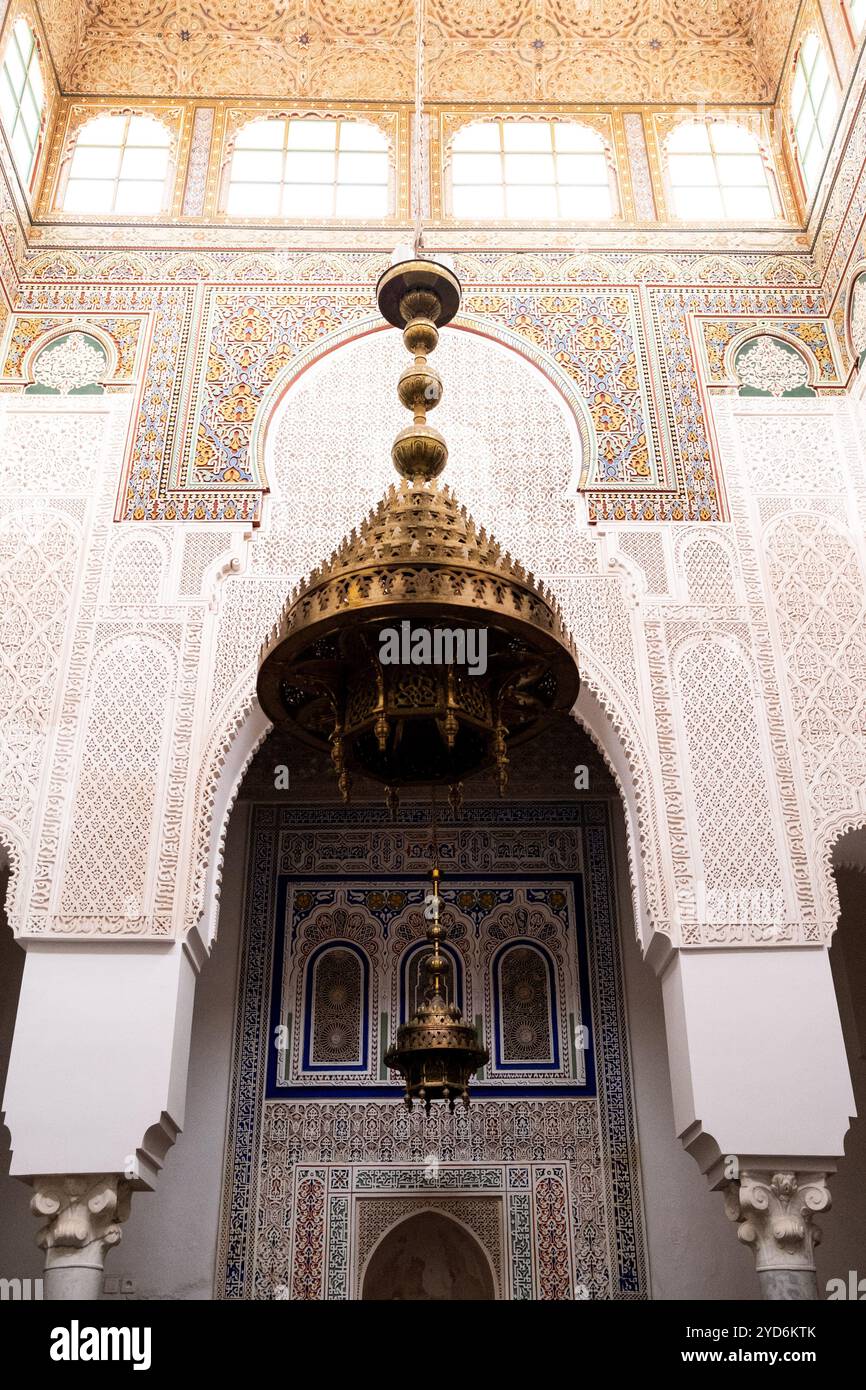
84	1214
775	1216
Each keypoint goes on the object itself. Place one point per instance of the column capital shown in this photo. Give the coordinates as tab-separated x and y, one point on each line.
775	1212
85	1212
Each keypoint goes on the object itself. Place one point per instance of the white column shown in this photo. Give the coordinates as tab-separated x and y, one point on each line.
762	1094
96	1090
98	1069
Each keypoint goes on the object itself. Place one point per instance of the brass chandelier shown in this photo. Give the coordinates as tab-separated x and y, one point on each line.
353	666
364	662
416	565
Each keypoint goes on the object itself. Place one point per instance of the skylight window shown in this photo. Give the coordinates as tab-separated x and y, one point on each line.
529	171
22	97
304	168
718	173
814	107
120	165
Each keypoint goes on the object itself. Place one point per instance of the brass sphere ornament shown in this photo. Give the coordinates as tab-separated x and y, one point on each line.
370	659
436	1053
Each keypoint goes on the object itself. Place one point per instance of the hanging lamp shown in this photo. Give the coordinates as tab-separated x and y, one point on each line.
436	1052
364	662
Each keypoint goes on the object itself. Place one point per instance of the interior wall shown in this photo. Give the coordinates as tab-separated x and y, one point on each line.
843	1244
169	1243
693	1248
170	1240
20	1257
169	1247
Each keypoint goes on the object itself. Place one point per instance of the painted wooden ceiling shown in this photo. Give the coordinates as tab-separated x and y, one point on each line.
478	50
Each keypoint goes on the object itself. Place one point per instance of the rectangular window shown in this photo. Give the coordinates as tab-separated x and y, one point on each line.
309	169
530	171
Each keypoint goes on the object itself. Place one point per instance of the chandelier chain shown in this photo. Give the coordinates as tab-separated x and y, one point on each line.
419	142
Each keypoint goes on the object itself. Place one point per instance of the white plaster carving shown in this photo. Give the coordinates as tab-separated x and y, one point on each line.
740	880
625	651
249	607
69	365
200	549
708	569
820	607
641	179
790	450
38	550
497	411
768	367
48	448
742	427
110	850
227	754
137	569
647	550
196	178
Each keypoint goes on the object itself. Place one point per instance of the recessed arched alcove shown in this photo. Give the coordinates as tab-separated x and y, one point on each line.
518	443
514	463
332	1171
428	1257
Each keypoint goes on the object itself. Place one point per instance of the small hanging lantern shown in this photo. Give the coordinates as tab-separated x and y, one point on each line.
436	1052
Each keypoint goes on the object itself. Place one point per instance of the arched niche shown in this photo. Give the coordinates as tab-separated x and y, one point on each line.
520	440
428	1257
772	364
74	363
525	1008
337	1009
856	315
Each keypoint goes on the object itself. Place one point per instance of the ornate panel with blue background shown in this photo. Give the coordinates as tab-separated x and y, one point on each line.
320	1150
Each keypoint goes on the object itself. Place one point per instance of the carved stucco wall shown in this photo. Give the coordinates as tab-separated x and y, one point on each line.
694	640
804	489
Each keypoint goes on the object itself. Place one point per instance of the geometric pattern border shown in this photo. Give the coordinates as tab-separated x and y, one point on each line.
634	354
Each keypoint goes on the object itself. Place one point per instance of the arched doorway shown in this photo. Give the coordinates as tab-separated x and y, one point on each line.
428	1257
322	1157
507	411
